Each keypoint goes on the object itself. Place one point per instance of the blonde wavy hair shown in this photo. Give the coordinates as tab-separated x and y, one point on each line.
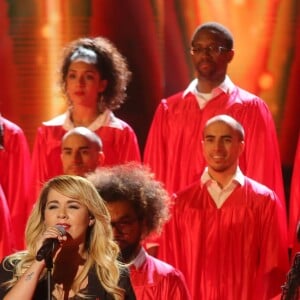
102	250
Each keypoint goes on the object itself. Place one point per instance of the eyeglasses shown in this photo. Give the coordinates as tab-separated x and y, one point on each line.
123	226
210	50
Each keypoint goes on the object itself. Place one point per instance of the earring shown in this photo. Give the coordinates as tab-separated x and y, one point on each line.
101	103
92	221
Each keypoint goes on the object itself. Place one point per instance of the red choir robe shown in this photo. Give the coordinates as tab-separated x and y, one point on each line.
173	149
120	145
14	177
294	209
236	252
155	279
6	238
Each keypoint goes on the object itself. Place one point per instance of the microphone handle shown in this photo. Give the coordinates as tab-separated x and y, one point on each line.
47	248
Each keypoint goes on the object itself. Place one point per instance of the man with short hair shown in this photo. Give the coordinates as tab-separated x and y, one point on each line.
227	234
81	151
173	150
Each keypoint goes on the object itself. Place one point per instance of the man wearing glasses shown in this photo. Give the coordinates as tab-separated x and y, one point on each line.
173	150
138	205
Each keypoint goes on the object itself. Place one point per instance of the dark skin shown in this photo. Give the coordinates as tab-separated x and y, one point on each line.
130	237
210	69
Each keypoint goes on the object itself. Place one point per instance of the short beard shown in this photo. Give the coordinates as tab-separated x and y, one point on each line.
128	253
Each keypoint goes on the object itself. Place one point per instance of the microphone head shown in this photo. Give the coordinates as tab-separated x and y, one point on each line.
61	229
49	245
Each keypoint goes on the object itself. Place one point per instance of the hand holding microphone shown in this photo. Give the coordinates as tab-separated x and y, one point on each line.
51	244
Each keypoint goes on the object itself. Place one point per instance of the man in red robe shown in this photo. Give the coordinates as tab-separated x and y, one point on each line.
226	233
138	207
173	150
294	209
14	174
81	151
119	142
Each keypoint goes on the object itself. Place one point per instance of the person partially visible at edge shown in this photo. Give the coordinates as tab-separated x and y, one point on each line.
7	239
138	205
85	263
94	78
81	151
15	163
172	148
294	207
227	234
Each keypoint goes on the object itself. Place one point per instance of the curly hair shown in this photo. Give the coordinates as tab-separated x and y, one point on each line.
110	63
219	29
135	183
102	250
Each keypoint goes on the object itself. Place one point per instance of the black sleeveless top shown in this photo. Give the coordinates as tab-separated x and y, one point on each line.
94	289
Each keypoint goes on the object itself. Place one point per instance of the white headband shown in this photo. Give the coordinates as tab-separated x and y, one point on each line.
85	55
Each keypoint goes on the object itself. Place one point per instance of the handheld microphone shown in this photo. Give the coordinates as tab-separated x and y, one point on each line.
49	245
